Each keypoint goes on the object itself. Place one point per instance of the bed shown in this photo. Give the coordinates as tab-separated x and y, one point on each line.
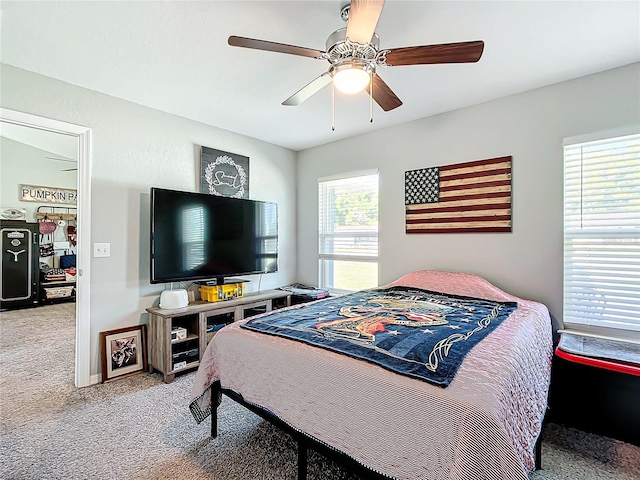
483	424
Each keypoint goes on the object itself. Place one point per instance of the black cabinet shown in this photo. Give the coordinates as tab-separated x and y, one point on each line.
19	264
595	400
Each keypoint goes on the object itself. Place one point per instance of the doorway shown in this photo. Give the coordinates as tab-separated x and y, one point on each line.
82	135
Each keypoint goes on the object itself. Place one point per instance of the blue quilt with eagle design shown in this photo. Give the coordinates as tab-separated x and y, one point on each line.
410	331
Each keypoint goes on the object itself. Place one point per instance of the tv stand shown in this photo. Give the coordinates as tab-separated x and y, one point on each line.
201	320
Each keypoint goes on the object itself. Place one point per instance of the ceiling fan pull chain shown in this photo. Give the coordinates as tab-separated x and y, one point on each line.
371	98
333	107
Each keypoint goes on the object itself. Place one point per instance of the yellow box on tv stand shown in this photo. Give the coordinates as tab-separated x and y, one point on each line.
218	293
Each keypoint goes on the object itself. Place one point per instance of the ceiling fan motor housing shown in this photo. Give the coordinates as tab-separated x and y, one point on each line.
339	47
342	52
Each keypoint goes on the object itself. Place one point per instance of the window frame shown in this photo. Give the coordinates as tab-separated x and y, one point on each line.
603	329
326	260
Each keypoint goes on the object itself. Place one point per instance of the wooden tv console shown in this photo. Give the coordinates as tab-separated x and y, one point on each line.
200	319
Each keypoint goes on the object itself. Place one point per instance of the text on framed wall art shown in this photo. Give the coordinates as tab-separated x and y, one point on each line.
34	193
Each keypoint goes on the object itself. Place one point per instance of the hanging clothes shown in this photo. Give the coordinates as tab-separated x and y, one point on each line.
46	227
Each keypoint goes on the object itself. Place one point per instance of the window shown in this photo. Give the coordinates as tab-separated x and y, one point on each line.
348	232
602	237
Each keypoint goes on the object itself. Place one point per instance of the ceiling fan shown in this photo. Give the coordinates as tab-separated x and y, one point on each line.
354	54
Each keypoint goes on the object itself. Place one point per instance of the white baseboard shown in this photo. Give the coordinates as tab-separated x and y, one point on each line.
95	379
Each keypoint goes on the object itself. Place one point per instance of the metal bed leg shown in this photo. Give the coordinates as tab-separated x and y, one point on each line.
215	390
302	460
538	452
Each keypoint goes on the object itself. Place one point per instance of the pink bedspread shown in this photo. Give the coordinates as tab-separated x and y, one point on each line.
482	426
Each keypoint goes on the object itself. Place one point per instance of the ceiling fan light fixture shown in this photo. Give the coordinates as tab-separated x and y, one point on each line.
351	79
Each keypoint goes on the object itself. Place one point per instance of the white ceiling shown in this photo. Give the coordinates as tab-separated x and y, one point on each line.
174	56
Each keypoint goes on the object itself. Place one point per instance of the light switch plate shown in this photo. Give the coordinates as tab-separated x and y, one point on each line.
101	249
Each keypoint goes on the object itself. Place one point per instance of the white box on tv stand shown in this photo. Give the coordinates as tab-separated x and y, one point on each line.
174	298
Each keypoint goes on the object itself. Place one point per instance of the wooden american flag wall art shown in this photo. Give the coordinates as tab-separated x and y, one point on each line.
466	197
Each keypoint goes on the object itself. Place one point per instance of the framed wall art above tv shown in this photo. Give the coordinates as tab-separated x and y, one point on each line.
223	173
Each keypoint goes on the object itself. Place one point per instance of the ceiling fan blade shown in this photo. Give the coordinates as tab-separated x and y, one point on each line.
462	52
311	88
363	18
274	47
383	95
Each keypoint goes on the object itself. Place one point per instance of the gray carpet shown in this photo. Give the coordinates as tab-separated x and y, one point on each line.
140	428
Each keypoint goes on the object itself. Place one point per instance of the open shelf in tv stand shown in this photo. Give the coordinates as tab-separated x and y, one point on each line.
194	317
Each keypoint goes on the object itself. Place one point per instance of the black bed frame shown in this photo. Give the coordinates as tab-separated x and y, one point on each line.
305	442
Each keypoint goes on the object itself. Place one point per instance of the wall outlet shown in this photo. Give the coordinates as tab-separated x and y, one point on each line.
101	249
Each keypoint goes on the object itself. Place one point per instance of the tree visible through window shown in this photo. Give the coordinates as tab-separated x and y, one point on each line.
348	233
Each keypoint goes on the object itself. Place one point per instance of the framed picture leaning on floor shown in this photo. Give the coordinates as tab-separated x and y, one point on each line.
123	352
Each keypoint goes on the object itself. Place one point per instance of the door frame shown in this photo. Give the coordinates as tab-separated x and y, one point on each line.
82	376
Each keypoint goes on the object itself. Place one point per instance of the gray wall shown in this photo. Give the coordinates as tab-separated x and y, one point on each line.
134	148
530	127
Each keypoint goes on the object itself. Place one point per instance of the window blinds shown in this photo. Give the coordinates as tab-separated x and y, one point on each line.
602	234
348	230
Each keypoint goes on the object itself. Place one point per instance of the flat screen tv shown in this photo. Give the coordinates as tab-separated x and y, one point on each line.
196	236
